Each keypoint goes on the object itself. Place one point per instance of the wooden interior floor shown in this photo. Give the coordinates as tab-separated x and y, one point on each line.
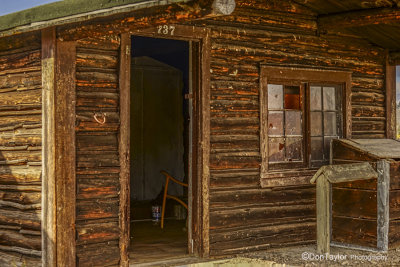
151	243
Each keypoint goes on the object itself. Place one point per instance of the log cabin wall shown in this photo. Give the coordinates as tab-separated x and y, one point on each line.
97	127
20	150
243	216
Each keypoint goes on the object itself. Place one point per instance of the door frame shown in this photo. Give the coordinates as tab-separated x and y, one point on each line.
200	128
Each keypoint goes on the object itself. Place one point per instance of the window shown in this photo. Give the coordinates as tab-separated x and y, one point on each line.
301	112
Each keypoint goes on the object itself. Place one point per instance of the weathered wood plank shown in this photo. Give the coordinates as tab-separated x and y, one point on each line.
65	149
362	232
355	203
124	147
242	216
49	230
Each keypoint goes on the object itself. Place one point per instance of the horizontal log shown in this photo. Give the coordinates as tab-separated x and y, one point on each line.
275	20
27	188
96	95
236	54
278	241
243	145
368	135
237	88
26	156
98	172
25	81
97	209
249	150
30	232
235	162
102	88
96	127
228	198
96	104
234	122
239	181
92	162
15	127
233	138
83	84
21	98
99	142
234	106
247	216
16	239
90	59
4	203
111	117
235	153
97	188
106	42
20	43
362	17
8	259
374	84
9	120
24	251
20	60
20	175
291	8
20	112
101	254
367	111
20	139
327	45
261	232
97	233
96	77
10	227
365	126
95	50
370	184
368	98
24	109
24	219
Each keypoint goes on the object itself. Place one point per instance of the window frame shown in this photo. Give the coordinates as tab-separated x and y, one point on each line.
301	75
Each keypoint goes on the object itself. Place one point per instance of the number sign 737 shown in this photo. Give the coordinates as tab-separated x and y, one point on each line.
166	29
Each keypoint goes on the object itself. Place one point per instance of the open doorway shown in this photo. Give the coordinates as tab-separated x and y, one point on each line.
161	140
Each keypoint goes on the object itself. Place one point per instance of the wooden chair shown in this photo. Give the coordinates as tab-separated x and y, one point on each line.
168	178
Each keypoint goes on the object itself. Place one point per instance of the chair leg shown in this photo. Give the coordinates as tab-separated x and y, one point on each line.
164	200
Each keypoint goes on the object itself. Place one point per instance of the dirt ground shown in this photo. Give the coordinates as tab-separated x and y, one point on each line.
290	257
308	256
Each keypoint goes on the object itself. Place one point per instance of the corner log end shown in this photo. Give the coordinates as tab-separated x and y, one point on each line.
223	7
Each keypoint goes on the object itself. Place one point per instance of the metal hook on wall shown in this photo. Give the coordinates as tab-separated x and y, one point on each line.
100	117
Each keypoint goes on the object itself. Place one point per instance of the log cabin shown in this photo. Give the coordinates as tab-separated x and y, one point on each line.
251	91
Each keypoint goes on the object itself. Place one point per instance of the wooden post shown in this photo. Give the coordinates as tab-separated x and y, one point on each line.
323	215
390	86
48	224
204	135
65	150
383	168
124	147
